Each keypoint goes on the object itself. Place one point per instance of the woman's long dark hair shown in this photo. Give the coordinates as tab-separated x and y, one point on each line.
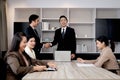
16	41
106	41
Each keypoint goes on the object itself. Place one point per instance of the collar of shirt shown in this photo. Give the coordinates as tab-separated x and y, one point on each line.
64	29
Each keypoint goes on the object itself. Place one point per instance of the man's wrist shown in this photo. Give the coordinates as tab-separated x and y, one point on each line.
50	44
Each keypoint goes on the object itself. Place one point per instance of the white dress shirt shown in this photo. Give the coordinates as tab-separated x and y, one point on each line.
64	29
31	53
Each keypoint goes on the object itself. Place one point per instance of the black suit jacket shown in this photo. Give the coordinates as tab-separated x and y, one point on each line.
66	43
29	31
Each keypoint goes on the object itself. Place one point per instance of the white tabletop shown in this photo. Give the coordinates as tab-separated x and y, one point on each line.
70	70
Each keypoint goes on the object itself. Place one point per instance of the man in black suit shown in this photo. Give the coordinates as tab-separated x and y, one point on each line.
33	22
65	37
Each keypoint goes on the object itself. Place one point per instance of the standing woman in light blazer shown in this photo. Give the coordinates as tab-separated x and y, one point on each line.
106	59
19	63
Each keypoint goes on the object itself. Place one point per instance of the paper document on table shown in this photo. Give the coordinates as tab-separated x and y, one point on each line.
84	65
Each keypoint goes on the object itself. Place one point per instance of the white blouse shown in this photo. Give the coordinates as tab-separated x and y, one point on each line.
30	53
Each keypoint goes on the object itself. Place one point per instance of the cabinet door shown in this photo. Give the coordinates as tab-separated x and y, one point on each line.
107	13
53	13
85	45
22	14
83	30
81	15
83	21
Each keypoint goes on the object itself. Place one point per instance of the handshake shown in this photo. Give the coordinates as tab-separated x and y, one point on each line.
47	45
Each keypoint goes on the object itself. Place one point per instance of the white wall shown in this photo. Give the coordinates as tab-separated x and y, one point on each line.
12	4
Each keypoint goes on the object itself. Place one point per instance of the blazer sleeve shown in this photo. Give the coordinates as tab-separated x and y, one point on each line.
34	61
101	60
38	62
55	41
73	42
90	61
15	66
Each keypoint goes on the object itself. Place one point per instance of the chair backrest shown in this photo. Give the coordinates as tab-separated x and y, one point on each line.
3	69
3	66
118	70
0	54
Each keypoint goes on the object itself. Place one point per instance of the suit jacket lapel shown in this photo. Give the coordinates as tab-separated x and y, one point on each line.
32	30
22	61
60	32
35	31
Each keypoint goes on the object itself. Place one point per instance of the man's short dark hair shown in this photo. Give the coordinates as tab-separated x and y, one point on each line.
33	17
63	17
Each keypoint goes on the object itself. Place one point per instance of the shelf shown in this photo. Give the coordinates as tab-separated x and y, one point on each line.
48	30
89	38
49	19
88	53
46	52
46	41
81	22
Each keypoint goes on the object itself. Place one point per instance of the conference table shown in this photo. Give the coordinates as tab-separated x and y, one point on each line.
73	70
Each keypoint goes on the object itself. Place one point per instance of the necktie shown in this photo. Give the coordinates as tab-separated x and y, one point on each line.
63	32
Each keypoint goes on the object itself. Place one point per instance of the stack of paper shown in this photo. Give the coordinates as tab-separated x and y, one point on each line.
85	65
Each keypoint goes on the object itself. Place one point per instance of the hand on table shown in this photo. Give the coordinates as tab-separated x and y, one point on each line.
72	56
80	60
39	68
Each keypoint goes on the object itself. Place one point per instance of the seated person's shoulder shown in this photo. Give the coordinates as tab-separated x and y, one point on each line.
11	54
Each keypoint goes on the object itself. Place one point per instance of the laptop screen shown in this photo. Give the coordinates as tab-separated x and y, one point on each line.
62	55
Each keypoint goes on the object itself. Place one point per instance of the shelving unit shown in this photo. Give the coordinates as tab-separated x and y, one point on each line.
81	19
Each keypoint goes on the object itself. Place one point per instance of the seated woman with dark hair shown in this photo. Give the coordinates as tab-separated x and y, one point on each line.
29	47
19	63
106	59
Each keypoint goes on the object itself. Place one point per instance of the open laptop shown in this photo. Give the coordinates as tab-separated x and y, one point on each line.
62	55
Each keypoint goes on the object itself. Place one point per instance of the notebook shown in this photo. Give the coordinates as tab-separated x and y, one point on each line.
62	55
